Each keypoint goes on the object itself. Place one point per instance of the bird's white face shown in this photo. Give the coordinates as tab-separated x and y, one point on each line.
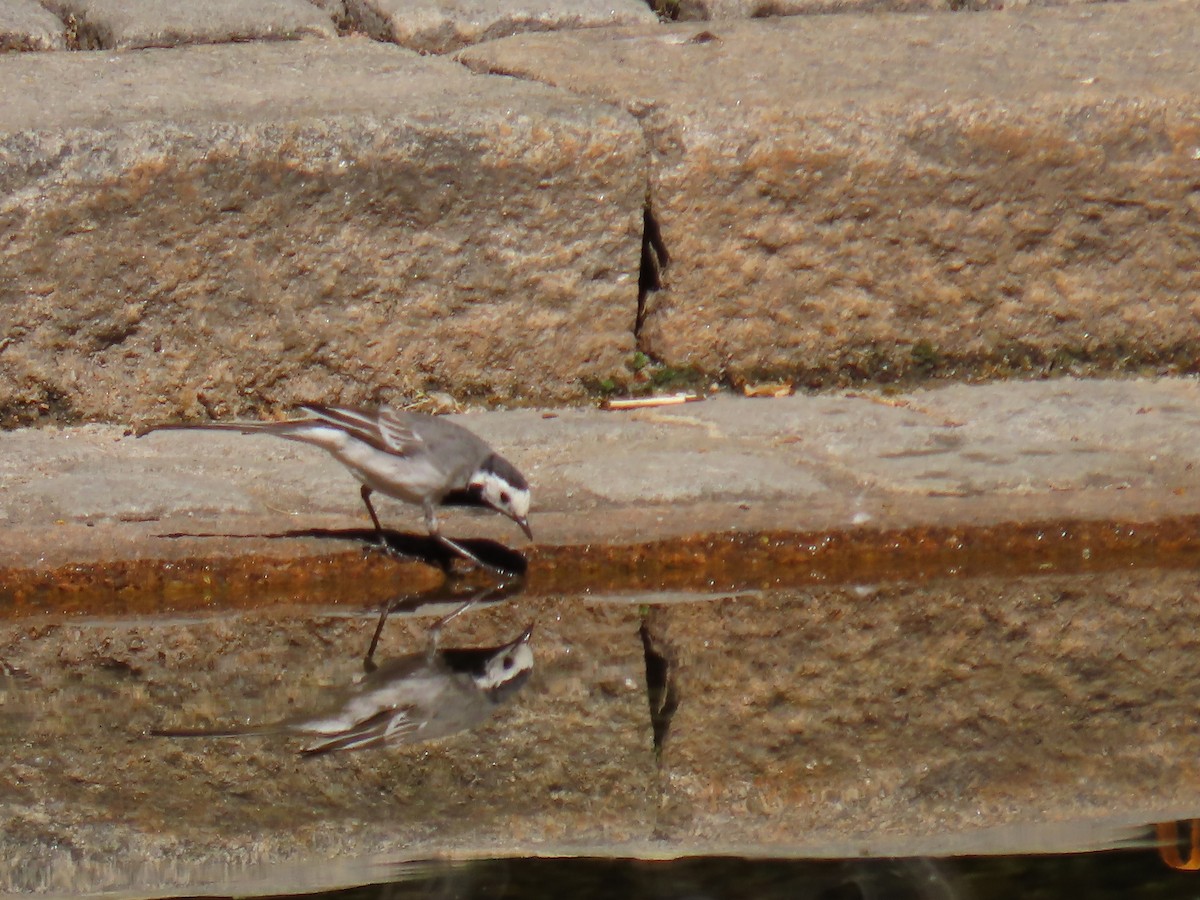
515	663
503	497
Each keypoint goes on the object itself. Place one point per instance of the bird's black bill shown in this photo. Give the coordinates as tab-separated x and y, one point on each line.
524	523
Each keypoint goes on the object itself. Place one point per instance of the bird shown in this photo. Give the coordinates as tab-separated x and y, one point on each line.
407	700
424	460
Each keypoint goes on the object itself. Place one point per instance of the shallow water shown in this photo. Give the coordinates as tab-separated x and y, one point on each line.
1117	875
1041	709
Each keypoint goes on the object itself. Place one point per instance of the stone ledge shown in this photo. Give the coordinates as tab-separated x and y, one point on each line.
959	455
804	241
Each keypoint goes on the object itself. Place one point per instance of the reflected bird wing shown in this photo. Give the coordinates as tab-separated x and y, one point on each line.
395	725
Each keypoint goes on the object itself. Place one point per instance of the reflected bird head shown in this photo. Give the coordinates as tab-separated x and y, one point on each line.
506	668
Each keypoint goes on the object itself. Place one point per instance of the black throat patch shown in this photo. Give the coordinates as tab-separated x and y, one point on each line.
468	496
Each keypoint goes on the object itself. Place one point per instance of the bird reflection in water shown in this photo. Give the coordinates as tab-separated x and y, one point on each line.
417	697
411	699
407	700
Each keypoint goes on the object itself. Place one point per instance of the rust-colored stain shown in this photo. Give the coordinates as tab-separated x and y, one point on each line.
156	587
1169	845
704	563
866	556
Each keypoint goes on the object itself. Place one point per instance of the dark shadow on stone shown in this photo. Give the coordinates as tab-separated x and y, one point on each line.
417	547
426	549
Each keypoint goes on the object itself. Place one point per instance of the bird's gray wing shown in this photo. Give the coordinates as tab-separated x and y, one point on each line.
396	426
384	428
394	725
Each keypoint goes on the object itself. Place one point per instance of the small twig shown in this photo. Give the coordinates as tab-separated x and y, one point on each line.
647	402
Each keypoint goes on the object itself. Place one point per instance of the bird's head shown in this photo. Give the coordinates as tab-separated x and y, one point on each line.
507	668
504	489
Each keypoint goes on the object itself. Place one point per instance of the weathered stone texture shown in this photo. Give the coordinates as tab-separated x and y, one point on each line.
702	10
226	230
129	24
435	26
902	711
887	193
716	10
926	710
25	25
335	8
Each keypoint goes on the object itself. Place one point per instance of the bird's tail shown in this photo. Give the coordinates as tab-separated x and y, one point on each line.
279	428
233	731
350	741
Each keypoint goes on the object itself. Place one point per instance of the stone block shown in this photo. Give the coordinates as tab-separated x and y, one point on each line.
25	25
435	26
231	230
718	10
861	197
131	24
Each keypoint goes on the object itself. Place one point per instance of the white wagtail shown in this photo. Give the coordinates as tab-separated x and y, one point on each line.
407	700
424	460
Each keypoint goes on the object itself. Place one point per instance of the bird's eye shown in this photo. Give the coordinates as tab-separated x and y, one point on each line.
504	498
508	663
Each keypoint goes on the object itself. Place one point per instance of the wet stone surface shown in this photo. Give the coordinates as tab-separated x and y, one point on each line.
981	715
953	621
1027	452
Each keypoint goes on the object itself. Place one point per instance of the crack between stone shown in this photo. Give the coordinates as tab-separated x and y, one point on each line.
661	694
654	260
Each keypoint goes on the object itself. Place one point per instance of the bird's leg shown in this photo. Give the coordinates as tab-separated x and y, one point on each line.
380	537
435	630
366	495
431	523
369	660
